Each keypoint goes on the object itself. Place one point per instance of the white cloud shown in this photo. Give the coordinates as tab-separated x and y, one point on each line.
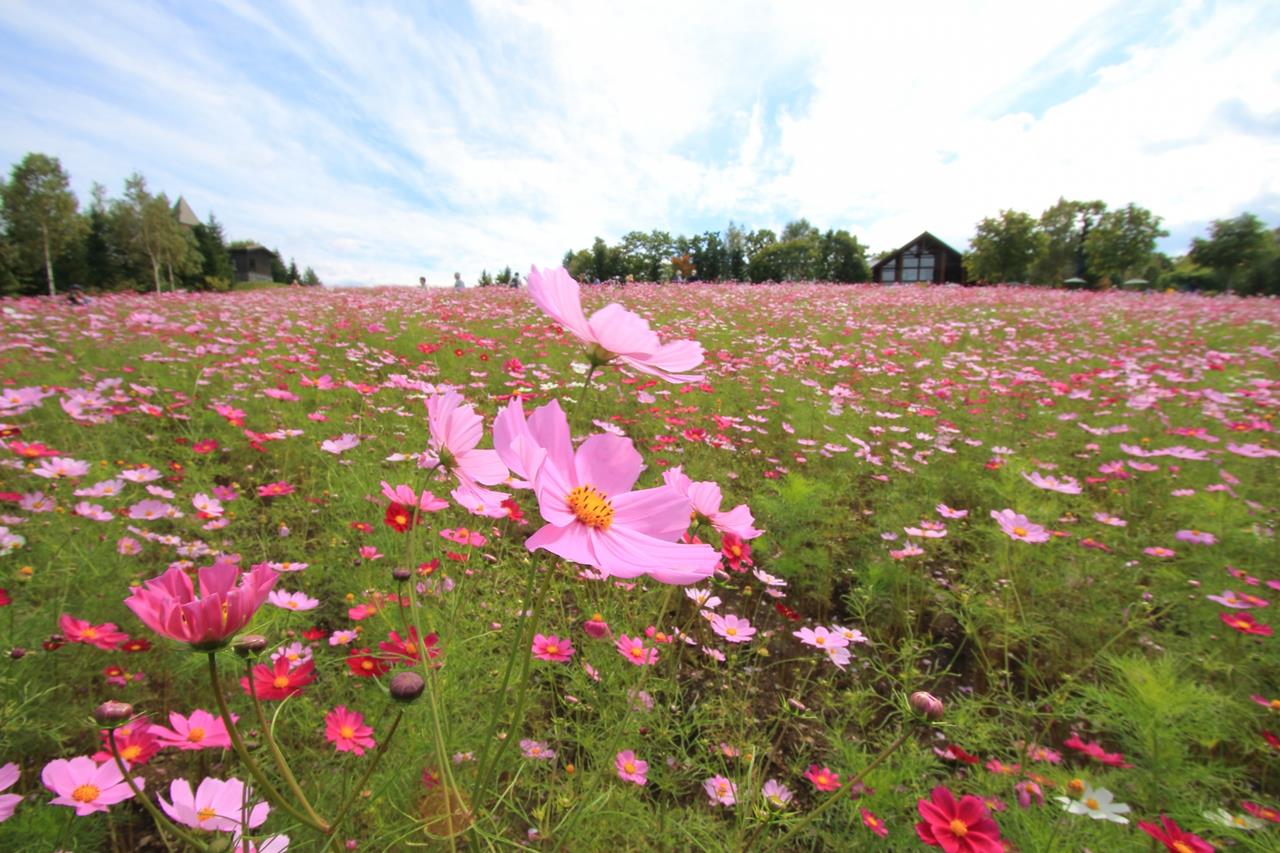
377	145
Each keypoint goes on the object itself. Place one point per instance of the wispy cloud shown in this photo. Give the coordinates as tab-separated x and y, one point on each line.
379	142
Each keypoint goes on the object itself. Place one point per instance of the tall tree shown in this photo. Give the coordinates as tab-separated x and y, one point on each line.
150	235
1235	249
215	260
842	258
40	213
1065	226
1123	242
735	252
1003	248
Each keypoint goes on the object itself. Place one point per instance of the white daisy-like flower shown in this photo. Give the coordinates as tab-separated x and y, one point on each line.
1097	803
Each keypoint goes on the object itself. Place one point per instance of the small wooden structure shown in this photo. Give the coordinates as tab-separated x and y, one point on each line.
252	262
184	214
926	258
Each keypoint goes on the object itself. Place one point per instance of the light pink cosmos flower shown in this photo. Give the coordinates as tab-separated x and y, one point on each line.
93	512
407	497
60	467
228	599
947	512
217	805
1110	520
456	429
705	498
1066	486
201	730
552	648
1017	526
776	793
347	732
292	600
613	332
85	785
732	628
1235	601
820	638
9	774
341	444
1159	551
536	749
720	791
592	516
1196	537
630	768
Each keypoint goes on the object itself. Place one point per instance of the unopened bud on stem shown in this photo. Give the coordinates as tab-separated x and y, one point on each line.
406	686
927	705
113	713
249	644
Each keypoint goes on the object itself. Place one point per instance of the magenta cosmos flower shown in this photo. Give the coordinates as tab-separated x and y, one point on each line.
228	599
613	332
216	805
957	827
201	730
630	768
706	497
346	730
585	497
456	429
552	648
1017	526
8	802
85	785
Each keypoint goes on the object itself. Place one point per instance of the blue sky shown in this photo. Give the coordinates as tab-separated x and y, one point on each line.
381	141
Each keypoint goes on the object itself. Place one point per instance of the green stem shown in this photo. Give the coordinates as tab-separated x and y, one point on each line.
162	822
269	790
276	753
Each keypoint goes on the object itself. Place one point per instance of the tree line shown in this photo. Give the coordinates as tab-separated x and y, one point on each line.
132	242
1085	244
800	252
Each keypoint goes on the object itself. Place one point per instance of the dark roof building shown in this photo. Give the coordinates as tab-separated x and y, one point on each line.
926	258
252	262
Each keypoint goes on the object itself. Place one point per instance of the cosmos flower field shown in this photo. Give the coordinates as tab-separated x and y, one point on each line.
720	567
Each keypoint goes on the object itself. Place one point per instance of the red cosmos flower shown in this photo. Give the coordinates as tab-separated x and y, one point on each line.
399	517
955	753
407	648
1264	812
279	682
314	633
365	665
134	645
5	600
1094	750
207	445
786	612
513	510
963	827
874	823
136	743
362	526
1271	740
823	778
1245	624
736	552
1174	837
105	636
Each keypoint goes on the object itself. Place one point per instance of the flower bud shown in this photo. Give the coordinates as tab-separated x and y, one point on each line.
927	705
406	686
17	652
249	644
401	574
113	713
596	627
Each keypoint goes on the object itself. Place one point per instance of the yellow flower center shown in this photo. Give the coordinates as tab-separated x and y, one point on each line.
1182	847
552	649
637	651
292	605
86	793
90	633
959	828
195	735
402	519
591	507
732	632
1275	704
629	766
1075	786
347	732
281	682
131	752
206	813
1020	531
1092	804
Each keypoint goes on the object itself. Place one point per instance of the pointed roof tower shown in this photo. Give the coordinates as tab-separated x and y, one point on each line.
184	214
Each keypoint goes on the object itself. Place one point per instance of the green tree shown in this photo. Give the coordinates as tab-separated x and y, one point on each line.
1065	227
1121	246
40	214
102	264
734	264
799	229
279	272
790	260
842	258
1236	250
1003	248
657	255
215	260
310	278
293	273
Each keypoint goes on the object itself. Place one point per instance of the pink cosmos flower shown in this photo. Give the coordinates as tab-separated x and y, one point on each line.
228	599
9	774
292	600
1017	526
630	768
552	648
536	750
947	512
613	332
1195	537
1028	792
957	827
341	444
407	497
720	791
820	638
634	650
456	429
873	823
85	785
275	490
776	793
217	805
1066	486
1157	551
734	629
705	498
59	467
105	636
93	512
201	730
1233	600
592	516
823	778
347	732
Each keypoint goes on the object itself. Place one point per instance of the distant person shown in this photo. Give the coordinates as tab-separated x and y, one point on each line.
457	281
515	280
422	281
76	296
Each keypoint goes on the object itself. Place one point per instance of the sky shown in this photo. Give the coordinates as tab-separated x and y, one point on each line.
381	141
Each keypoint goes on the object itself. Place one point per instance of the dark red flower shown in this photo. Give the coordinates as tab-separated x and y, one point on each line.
399	517
1174	838
364	665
